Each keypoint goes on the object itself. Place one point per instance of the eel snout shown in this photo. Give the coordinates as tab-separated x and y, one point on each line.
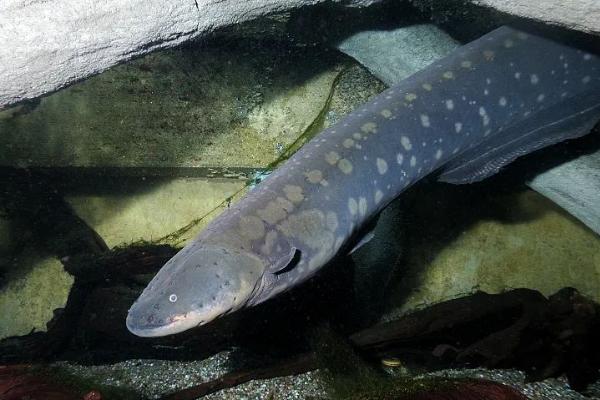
193	288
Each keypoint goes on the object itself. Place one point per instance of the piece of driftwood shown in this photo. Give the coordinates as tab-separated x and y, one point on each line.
469	390
32	382
18	382
545	337
432	323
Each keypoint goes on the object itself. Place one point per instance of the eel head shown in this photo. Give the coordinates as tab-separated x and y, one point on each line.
196	286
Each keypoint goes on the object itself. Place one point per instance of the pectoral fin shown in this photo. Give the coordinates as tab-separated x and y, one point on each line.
286	263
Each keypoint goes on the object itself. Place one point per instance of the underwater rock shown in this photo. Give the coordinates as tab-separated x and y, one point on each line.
80	40
581	15
575	186
79	37
393	55
33	290
186	112
143	209
501	241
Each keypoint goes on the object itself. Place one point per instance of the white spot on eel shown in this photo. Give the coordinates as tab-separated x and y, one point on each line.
405	141
293	193
345	166
386	113
369	127
332	157
413	161
534	79
362	206
352	206
382	166
314	176
378	196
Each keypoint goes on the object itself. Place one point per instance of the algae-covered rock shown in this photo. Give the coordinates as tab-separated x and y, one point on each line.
354	87
34	287
226	104
500	241
151	210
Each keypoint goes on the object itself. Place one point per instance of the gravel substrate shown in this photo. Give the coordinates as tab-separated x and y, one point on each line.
549	389
154	378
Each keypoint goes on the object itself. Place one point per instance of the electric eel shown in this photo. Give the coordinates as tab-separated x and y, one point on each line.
463	118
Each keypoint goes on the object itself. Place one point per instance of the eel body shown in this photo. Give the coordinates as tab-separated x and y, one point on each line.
464	117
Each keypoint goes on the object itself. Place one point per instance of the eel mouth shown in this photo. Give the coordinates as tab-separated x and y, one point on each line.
143	326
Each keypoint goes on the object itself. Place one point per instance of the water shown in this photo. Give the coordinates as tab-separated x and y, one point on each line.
103	181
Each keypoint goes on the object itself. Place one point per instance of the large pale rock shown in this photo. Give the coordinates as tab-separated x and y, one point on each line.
575	186
393	55
581	15
48	44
